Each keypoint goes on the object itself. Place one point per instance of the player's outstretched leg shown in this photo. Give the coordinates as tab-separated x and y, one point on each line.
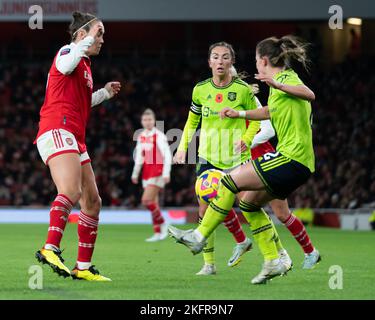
88	228
215	214
298	230
243	245
192	239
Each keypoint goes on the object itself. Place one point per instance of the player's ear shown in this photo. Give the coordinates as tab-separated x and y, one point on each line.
264	61
81	34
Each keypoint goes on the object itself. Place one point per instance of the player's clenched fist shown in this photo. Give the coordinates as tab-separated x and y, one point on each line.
240	146
113	88
228	113
179	157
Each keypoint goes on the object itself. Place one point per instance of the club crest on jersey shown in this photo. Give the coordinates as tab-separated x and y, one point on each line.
232	96
69	141
219	98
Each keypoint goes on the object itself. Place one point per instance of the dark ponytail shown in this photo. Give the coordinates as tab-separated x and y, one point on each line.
281	52
80	20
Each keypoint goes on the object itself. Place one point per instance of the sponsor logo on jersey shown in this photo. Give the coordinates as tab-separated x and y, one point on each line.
232	96
89	79
64	51
219	98
206	111
209	97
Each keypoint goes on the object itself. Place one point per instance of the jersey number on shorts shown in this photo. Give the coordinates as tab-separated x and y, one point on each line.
270	155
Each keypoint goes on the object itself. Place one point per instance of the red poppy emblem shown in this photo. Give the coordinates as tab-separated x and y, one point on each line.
219	98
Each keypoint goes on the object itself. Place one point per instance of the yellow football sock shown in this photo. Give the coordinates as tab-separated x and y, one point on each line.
277	240
209	249
262	228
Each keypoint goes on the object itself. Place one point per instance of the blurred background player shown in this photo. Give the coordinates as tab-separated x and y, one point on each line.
259	147
61	145
152	153
222	145
274	175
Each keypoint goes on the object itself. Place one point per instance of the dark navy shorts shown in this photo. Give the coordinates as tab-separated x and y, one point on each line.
281	175
203	165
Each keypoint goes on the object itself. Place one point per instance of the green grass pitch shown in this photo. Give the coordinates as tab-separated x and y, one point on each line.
166	270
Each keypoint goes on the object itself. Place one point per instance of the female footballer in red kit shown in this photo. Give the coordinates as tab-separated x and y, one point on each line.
61	145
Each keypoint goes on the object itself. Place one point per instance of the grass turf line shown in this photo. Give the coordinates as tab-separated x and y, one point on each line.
166	270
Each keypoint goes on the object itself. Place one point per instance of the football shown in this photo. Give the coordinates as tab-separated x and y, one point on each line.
207	185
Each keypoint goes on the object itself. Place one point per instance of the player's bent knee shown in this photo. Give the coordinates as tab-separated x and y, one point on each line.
73	195
246	206
280	210
282	216
146	202
92	205
99	202
228	182
96	204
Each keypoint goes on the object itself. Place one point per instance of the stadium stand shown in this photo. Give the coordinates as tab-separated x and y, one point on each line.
343	129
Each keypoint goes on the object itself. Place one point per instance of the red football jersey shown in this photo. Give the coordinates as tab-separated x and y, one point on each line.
261	149
67	102
153	154
153	159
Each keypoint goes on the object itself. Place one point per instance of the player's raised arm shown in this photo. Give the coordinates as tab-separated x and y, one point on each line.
70	55
82	42
299	91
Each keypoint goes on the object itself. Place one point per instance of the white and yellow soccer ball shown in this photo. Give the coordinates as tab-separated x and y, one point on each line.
207	185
